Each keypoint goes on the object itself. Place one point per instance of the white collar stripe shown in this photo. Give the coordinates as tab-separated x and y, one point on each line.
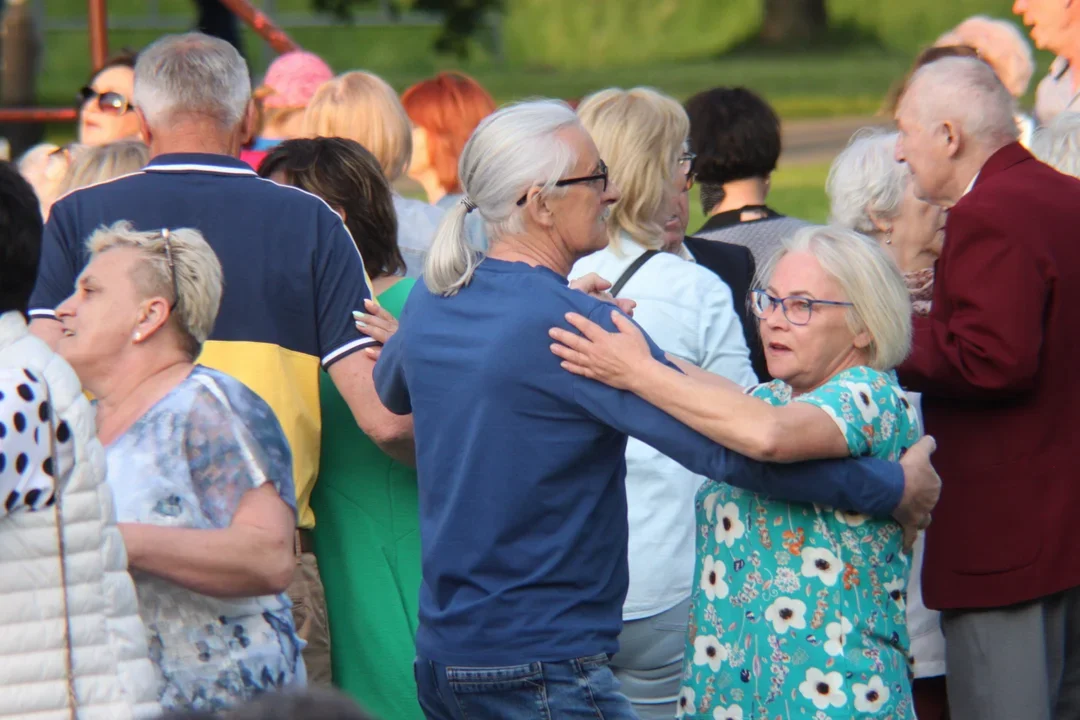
195	167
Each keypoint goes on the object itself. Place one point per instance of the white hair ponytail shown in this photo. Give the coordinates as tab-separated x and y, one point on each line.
512	150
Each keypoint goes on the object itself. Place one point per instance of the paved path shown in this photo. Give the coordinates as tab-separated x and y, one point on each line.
818	141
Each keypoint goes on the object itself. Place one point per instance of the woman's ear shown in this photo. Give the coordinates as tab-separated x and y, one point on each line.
152	316
863	340
882	225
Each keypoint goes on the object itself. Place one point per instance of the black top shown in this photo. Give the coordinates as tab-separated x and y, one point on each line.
734	264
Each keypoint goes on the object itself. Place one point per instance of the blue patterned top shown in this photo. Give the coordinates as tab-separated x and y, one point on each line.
186	463
798	610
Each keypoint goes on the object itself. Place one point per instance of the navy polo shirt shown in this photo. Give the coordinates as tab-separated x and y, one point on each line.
522	466
293	276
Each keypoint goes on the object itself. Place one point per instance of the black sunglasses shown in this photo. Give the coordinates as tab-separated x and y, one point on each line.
110	102
172	268
602	174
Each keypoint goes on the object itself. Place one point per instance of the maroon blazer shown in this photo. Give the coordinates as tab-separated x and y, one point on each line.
997	361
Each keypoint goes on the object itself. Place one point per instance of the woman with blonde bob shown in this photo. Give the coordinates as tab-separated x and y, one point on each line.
360	106
198	465
689	311
104	162
819	593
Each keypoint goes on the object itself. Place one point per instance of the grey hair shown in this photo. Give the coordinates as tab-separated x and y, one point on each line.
192	74
514	149
1058	144
865	181
869	279
199	281
966	91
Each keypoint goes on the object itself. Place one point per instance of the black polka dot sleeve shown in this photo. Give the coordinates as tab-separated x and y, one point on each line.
27	441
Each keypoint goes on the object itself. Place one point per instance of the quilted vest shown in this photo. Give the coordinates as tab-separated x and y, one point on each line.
113	676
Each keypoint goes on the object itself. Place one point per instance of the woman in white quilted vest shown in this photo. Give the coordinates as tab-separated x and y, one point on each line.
199	467
71	640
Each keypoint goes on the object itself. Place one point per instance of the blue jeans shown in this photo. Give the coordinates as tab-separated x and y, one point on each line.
573	689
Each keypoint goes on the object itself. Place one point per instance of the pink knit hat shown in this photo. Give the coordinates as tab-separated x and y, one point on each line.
293	78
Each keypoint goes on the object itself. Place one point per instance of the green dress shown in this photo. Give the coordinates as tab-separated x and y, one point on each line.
367	539
798	610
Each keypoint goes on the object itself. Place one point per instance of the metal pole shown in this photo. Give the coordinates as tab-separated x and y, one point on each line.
37	115
99	33
261	24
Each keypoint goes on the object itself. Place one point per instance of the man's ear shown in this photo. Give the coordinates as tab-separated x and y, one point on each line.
144	127
537	208
250	124
952	138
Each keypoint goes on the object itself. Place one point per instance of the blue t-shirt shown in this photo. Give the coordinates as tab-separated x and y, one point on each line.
522	465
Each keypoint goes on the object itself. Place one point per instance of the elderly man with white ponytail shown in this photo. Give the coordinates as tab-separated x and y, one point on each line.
521	465
996	362
293	275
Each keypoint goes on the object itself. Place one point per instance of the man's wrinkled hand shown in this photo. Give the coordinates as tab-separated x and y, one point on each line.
922	488
596	286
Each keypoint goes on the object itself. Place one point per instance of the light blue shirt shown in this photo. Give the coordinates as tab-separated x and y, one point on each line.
417	223
688	311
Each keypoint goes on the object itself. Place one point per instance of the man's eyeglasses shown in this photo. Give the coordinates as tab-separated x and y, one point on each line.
601	174
686	167
172	268
112	103
797	310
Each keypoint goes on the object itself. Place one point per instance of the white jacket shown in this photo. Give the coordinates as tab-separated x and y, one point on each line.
113	676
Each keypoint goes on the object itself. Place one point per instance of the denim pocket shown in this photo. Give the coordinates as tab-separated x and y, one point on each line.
499	693
495	679
599	660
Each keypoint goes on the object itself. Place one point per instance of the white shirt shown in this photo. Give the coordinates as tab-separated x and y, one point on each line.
689	312
417	222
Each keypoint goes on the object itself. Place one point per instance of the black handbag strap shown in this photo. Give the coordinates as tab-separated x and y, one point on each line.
629	273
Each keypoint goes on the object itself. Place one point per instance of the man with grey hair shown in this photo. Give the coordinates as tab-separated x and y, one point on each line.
995	360
293	275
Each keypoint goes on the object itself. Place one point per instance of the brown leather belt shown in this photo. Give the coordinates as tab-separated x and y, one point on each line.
305	541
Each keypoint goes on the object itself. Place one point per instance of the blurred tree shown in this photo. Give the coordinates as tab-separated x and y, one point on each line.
788	21
461	18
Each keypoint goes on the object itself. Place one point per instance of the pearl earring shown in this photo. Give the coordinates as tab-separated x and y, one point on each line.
138	336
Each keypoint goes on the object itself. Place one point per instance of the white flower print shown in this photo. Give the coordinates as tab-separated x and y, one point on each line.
729	527
862	396
908	408
686	702
786	613
888	422
712	578
709	503
895	588
786	580
872	696
709	651
837	633
729	713
821	563
823	689
850	517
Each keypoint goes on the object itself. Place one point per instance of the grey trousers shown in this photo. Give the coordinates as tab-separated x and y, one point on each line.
1015	663
650	661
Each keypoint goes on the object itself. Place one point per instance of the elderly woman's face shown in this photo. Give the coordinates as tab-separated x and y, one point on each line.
100	317
112	117
918	228
806	356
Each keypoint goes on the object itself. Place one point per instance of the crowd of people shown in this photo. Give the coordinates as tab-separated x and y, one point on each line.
531	448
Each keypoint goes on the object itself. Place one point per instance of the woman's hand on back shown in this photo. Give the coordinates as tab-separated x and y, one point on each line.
377	324
617	359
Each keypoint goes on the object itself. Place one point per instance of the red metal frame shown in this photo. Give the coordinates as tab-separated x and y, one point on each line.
96	14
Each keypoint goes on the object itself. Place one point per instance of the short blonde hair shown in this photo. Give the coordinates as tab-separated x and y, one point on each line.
362	107
1001	45
869	279
640	134
197	270
104	162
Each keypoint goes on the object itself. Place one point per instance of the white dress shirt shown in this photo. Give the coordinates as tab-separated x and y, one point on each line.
688	311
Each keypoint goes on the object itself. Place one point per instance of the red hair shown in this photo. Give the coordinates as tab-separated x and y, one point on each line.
448	107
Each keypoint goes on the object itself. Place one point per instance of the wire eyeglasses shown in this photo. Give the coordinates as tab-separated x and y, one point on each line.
797	310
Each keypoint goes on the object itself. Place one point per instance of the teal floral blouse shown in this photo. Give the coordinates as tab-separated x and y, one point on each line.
798	610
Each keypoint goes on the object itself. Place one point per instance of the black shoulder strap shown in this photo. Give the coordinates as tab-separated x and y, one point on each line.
629	273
